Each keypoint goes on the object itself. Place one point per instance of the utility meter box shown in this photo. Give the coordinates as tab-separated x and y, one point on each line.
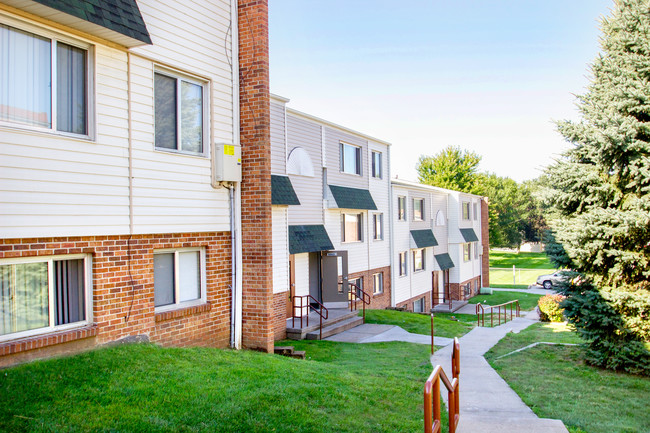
226	163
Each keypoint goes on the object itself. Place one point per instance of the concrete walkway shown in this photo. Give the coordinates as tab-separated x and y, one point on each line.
487	403
371	333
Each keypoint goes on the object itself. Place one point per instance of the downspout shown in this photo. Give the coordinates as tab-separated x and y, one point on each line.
393	280
235	195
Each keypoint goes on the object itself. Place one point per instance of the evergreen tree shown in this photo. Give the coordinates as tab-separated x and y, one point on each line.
600	194
451	168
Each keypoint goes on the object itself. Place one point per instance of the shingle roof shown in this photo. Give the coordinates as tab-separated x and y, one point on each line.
352	198
282	192
121	16
469	235
308	238
424	238
444	261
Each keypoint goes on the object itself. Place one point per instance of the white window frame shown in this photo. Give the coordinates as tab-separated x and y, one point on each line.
376	164
358	166
440	219
403	264
422	214
424	266
465	211
467	252
88	279
475	209
359	217
401	208
202	272
205	86
90	80
378	278
420	302
378	223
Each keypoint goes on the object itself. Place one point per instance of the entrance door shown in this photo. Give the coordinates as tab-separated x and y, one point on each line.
333	264
435	290
292	284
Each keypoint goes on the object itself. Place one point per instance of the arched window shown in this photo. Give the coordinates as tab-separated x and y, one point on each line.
440	218
300	163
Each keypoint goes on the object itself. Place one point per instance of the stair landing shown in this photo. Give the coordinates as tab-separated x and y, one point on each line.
339	320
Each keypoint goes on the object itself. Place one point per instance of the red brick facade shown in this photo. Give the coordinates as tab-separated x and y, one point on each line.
408	304
377	301
485	239
255	119
123	293
280	301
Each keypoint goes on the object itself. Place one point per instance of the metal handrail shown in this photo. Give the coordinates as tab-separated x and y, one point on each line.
432	419
363	298
309	305
480	315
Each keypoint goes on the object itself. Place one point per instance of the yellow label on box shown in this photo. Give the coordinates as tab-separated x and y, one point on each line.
228	150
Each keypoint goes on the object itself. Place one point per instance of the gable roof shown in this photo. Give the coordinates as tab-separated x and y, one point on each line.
118	21
469	235
424	238
444	261
352	198
308	238
282	192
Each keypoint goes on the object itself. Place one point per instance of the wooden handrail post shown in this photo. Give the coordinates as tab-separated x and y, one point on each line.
432	346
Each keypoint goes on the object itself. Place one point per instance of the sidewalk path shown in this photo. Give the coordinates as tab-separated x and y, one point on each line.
487	403
372	333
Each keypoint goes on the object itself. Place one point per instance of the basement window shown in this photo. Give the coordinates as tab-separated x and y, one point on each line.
179	278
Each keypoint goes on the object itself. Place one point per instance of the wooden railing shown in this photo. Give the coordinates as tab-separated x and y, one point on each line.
480	312
321	311
358	294
432	418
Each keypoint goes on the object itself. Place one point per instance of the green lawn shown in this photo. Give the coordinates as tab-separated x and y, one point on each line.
136	388
443	325
503	278
527	301
506	259
555	383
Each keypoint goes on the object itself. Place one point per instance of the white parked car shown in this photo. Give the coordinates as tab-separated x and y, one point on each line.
549	280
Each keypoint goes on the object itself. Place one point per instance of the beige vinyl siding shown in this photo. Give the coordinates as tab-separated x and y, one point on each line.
52	185
280	249
401	239
278	145
439	203
302	274
333	138
306	134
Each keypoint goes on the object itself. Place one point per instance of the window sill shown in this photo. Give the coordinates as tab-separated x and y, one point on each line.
183	312
419	271
40	341
377	294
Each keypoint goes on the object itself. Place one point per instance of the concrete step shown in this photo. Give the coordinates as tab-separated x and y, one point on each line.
335	328
298	354
314	324
283	350
491	424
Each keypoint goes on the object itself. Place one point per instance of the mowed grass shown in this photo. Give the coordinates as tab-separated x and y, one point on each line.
527	301
508	259
556	383
137	388
528	266
443	324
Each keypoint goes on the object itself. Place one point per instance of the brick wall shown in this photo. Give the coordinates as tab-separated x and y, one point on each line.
280	301
254	98
408	304
123	291
379	301
485	239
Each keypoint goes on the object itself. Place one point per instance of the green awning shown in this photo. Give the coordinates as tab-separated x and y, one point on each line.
308	238
282	192
444	261
424	238
120	16
352	198
469	235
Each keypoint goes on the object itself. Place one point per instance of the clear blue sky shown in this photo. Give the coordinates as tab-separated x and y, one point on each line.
486	75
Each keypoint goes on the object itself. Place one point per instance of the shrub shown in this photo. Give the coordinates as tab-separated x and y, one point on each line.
549	308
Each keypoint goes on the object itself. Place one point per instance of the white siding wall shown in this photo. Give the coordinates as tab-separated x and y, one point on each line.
333	138
302	274
439	204
56	186
379	251
306	134
280	249
402	287
278	144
